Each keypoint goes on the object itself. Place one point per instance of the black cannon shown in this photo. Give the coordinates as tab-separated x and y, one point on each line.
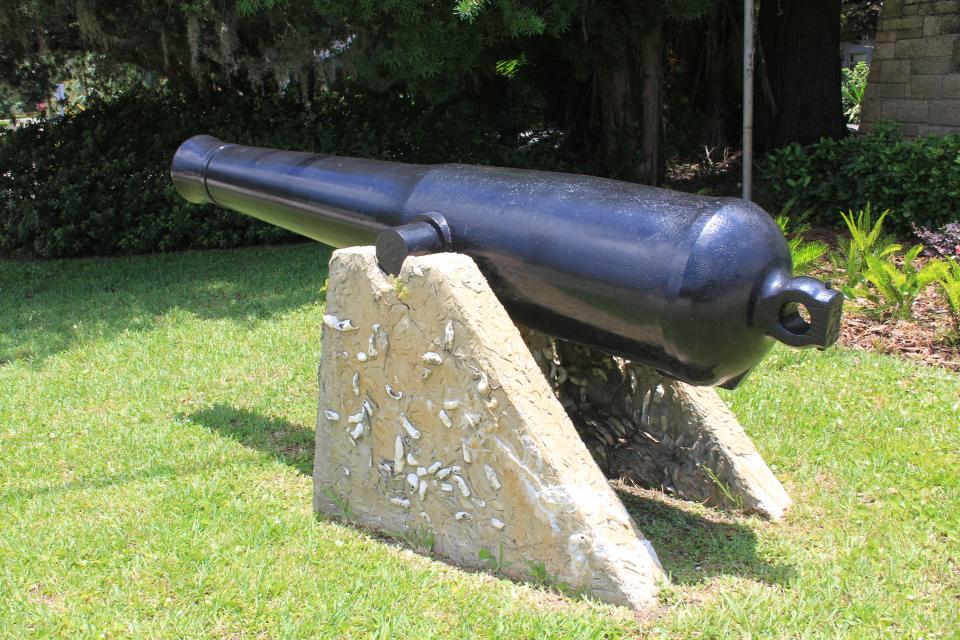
695	286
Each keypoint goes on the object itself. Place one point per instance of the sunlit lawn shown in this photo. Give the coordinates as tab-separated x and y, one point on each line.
156	438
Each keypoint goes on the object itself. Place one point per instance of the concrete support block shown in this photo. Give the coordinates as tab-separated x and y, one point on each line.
925	47
895	71
943	7
435	417
935	25
872	110
891	9
930	66
890	90
657	432
905	110
910	129
438	414
951	86
902	23
926	87
937	130
884	51
944	112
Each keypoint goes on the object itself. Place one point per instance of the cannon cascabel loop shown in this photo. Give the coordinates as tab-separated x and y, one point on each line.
777	311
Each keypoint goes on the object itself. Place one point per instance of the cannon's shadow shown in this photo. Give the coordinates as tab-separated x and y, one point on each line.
49	306
288	442
692	548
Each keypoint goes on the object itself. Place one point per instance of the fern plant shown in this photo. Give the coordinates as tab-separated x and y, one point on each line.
896	287
804	254
866	239
949	282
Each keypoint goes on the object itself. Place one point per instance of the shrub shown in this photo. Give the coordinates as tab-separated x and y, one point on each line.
97	183
943	242
918	180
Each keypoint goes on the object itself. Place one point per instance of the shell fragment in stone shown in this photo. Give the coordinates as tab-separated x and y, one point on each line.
462	485
445	418
393	393
334	322
400	502
448	336
432	358
411	430
358	431
413	481
398	456
492	477
483	387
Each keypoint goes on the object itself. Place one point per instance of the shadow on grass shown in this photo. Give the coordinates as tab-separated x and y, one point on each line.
49	306
291	444
693	548
163	471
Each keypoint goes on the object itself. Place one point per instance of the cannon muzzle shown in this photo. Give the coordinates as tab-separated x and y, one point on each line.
696	286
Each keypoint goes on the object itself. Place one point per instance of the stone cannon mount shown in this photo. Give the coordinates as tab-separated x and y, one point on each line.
438	414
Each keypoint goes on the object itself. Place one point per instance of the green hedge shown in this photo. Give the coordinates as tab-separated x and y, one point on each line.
98	183
917	179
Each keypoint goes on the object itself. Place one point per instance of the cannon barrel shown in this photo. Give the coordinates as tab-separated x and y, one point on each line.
696	286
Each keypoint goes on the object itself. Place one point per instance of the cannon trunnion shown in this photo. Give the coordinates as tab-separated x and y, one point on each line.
697	287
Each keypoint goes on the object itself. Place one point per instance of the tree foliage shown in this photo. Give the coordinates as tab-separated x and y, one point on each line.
577	64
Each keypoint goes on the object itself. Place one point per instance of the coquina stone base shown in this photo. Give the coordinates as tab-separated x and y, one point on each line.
439	417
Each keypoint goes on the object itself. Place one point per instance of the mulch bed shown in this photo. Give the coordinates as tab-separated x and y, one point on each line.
922	337
925	336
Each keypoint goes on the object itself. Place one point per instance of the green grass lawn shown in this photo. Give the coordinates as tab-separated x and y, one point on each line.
156	437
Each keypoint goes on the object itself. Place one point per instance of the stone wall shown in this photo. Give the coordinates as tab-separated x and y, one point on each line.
915	75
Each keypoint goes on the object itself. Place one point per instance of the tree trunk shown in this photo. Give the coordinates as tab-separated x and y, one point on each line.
627	110
799	81
619	118
652	162
613	119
